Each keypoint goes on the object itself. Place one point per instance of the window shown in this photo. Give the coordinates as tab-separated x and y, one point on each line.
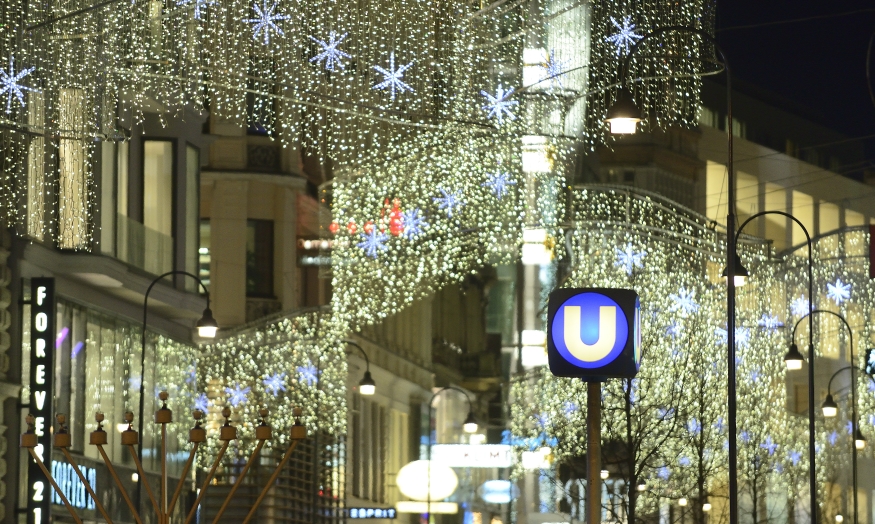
204	257
158	161
259	258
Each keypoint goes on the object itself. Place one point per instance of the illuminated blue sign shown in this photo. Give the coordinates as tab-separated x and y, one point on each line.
372	513
594	333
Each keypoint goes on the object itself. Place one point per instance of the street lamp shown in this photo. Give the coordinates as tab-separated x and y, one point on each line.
622	110
793	359
367	386
829	406
206	328
470	426
741	274
624	115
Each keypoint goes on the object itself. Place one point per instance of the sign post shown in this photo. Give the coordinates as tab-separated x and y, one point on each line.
42	368
593	334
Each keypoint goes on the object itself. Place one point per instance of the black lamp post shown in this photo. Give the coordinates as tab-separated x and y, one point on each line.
367	386
829	407
206	327
469	426
623	119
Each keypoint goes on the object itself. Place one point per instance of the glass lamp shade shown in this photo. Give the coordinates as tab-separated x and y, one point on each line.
624	115
741	274
829	407
793	359
859	440
367	386
207	325
470	425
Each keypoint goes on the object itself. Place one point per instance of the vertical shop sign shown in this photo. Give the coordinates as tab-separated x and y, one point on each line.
42	367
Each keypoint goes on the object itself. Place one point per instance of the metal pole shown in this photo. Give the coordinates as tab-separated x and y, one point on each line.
594	453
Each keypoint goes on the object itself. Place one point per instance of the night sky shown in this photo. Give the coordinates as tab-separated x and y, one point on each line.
818	63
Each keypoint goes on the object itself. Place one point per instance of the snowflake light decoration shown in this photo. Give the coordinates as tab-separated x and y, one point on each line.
449	201
745	436
684	461
663	472
839	292
202	403
199	5
135	382
849	427
800	306
543	419
694	426
554	69
308	374
755	376
332	56
742	336
833	438
9	84
794	457
673	330
392	77
275	383
768	321
499	105
374	242
625	36
569	407
629	259
237	394
414	223
498	183
684	301
720	425
266	21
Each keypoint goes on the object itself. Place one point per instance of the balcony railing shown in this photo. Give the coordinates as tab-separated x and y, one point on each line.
143	247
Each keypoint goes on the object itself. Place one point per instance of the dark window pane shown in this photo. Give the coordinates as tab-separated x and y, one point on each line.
259	258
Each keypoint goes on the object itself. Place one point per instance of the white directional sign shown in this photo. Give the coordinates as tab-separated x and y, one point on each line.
473	455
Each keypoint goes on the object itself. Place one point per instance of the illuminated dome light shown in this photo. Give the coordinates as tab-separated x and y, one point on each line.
829	407
793	359
412	480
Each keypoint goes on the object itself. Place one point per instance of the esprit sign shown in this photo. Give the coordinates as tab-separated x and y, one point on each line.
594	333
42	365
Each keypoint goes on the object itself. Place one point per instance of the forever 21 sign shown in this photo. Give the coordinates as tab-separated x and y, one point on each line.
42	366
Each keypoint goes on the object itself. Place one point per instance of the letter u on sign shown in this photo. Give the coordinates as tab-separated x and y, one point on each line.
604	343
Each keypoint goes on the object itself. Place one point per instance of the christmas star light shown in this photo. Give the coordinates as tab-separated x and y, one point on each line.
374	242
742	336
414	223
794	457
839	292
266	21
308	374
800	306
771	322
198	5
275	383
554	69
498	183
332	56
392	77
625	36
745	436
237	394
684	301
833	438
449	201
202	403
629	259
499	105
9	84
673	330
694	426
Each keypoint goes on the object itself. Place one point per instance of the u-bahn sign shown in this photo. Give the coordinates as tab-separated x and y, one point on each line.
594	333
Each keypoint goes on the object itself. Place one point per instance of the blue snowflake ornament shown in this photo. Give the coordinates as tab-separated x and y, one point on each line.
499	105
769	446
800	306
794	457
414	223
202	403
275	383
770	322
332	56
308	374
684	301
839	292
449	201
266	21
9	84
625	37
237	394
392	77
374	242
553	69
498	183
833	438
629	259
